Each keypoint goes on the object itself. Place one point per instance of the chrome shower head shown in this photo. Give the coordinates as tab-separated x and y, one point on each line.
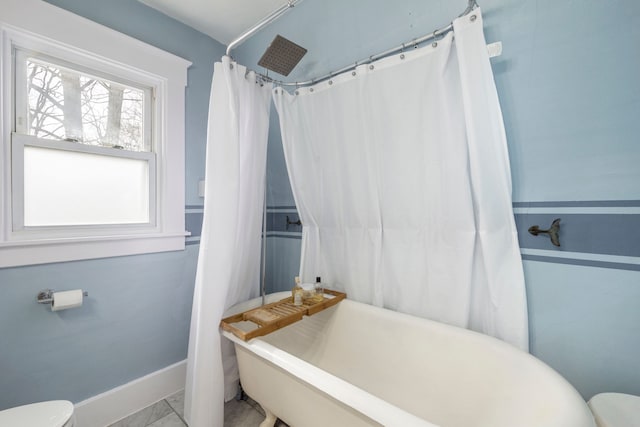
282	56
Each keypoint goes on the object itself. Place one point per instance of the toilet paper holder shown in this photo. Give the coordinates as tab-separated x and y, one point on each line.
46	296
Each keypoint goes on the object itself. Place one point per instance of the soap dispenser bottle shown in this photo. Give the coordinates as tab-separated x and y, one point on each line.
296	292
319	290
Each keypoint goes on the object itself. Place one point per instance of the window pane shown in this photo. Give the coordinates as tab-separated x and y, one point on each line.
66	104
71	188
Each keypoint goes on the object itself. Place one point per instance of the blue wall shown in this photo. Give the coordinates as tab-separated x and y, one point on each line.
134	321
136	318
569	88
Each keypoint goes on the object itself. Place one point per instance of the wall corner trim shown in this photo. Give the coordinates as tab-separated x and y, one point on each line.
120	402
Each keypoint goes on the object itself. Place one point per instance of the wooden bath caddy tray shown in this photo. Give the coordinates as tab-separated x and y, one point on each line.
271	317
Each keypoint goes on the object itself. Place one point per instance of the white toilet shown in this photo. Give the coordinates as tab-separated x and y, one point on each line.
616	410
54	413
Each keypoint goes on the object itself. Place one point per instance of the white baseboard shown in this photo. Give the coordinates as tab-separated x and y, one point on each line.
113	405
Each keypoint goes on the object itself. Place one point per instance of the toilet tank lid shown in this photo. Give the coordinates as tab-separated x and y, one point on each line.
54	413
615	409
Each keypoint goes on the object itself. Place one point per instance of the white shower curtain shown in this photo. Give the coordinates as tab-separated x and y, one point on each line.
229	259
401	176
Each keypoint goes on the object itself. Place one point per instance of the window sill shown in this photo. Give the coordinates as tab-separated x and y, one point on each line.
31	252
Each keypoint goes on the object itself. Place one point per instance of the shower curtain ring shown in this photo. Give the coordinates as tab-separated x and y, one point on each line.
330	78
435	39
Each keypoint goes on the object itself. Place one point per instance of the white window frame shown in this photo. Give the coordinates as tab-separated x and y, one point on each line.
33	25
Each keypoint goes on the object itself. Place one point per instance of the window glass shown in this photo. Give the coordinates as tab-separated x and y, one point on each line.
69	105
74	188
85	160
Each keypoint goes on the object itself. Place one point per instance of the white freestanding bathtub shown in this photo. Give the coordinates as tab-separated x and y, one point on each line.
359	365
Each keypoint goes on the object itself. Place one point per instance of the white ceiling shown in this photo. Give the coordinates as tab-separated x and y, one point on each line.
224	20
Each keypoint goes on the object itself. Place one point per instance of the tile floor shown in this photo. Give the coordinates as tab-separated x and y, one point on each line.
169	412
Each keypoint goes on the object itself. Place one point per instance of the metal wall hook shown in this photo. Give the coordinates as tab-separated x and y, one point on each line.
289	222
553	231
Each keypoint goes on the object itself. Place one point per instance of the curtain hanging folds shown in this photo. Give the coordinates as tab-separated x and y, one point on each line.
229	258
400	173
401	176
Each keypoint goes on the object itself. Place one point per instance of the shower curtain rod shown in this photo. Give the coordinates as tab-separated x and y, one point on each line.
261	24
472	4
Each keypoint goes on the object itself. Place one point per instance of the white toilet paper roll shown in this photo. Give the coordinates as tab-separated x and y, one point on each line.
66	299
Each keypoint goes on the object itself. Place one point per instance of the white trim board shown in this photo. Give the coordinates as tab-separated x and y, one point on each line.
584	210
113	405
581	256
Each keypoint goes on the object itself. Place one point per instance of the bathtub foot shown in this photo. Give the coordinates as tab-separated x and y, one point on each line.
269	420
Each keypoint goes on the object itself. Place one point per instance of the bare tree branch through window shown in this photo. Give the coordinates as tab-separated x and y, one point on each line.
68	105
